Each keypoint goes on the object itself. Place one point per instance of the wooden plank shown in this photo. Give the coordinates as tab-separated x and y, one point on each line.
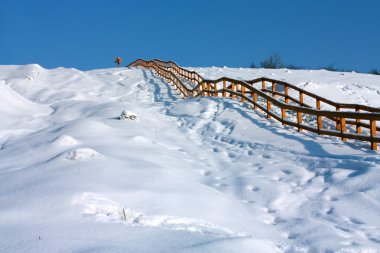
262	85
268	109
273	89
255	100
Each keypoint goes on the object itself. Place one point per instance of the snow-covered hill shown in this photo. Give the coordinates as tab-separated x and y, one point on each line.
196	175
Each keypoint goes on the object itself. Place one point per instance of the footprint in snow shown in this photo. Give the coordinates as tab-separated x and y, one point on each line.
267	156
221	185
356	221
269	210
231	155
205	173
292	236
254	189
286	171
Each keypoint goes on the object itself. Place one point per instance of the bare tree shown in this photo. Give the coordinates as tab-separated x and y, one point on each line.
274	61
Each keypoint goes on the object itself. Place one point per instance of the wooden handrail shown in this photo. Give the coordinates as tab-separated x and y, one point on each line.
192	84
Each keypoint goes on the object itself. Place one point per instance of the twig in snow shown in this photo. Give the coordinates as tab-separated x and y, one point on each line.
124	216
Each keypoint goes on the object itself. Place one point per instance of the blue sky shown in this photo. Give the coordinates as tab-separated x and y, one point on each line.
88	34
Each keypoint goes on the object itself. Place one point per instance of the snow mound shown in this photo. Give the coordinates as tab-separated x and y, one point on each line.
82	154
65	140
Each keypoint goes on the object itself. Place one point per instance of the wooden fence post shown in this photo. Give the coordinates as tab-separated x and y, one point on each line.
254	100
338	126
318	104
215	90
262	85
177	85
273	89
243	93
319	124
209	89
224	88
268	109
301	98
203	88
286	90
319	118
283	115
343	128
299	121
233	89
358	127
373	134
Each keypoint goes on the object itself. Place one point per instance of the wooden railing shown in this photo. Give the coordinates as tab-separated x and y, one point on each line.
282	101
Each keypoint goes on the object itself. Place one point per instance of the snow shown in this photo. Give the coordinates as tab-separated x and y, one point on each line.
195	175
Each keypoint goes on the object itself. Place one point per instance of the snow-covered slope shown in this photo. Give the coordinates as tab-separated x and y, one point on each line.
197	175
